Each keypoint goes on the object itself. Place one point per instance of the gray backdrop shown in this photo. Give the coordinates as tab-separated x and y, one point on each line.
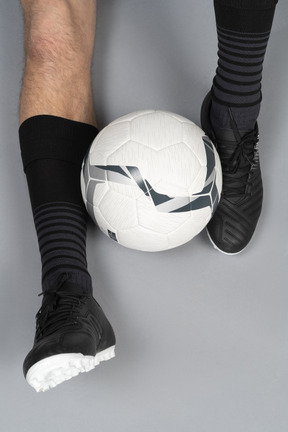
201	337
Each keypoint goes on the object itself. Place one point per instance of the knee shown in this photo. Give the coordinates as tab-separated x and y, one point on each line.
51	34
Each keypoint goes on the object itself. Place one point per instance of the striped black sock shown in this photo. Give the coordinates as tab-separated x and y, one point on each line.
61	231
243	28
52	151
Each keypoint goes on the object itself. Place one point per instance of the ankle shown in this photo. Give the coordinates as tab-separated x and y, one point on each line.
245	118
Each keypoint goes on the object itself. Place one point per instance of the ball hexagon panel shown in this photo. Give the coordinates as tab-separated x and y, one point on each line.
157	130
111	138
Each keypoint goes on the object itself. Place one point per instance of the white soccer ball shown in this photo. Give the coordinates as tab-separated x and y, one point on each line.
151	180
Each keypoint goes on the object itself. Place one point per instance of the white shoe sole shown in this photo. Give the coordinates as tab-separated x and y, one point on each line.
51	371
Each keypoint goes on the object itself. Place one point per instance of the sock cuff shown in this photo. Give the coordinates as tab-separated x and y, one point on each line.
248	4
245	16
51	137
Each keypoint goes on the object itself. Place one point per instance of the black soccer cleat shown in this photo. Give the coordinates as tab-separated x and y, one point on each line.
237	214
72	336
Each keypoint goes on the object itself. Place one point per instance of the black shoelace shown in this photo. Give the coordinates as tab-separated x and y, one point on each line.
237	162
60	308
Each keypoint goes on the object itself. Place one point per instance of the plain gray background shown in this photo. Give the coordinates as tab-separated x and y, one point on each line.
201	337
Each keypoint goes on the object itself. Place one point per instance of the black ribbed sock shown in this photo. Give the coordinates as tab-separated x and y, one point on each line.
52	151
243	28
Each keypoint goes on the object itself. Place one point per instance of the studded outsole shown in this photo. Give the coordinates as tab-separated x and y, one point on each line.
51	371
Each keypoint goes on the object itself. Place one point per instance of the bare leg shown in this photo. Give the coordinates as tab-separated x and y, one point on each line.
59	41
